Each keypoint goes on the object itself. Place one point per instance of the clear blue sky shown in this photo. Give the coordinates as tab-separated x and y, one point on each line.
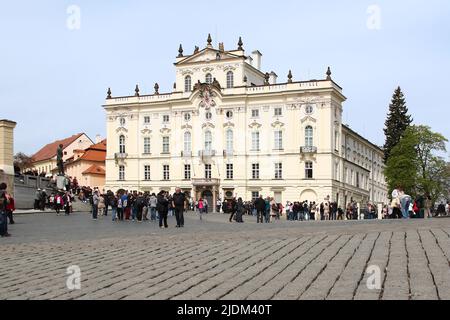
53	80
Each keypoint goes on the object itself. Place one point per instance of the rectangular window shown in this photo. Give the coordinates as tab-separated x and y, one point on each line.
255	171
278	143
166	118
255	195
166	172
308	170
278	171
207	171
255	113
229	171
147	145
165	145
255	141
187	172
147	173
357	179
121	173
147	120
278	112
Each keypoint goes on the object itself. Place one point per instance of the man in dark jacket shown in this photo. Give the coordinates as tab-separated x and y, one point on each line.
3	216
260	206
163	208
179	204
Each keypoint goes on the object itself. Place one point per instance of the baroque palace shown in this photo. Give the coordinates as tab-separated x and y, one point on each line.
229	129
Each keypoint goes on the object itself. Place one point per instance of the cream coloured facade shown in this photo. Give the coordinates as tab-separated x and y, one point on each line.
7	153
230	129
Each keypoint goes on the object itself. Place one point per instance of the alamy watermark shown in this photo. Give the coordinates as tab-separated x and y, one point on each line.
73	21
374	18
73	281
374	280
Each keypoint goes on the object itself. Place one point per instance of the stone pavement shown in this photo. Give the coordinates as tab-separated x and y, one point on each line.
215	259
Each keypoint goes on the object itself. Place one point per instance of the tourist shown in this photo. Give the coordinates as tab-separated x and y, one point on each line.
127	205
58	203
152	204
239	210
163	208
179	204
200	207
67	202
95	202
340	214
267	210
101	205
275	210
113	202
326	210
10	208
313	211
205	205
37	199
428	205
231	207
3	216
260	206
405	201
145	207
218	205
43	200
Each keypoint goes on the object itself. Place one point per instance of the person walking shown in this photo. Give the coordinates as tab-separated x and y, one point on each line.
3	216
239	210
274	210
67	204
260	206
10	208
179	204
152	204
232	208
101	204
37	199
200	208
58	203
163	208
113	202
95	201
428	205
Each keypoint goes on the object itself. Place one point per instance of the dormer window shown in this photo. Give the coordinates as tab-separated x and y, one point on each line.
187	84
230	79
208	78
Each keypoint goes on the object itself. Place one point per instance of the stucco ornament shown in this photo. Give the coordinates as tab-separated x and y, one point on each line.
206	96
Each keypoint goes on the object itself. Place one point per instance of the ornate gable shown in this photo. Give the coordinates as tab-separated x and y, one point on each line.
207	55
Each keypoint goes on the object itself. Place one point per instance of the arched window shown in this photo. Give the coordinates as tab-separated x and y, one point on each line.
208	78
309	141
187	84
208	140
230	79
122	144
229	137
187	142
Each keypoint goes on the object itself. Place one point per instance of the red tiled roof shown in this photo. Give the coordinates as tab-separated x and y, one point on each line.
93	155
99	146
95	169
49	151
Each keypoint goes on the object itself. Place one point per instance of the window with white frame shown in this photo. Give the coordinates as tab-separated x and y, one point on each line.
187	84
308	170
187	117
255	140
166	172
229	141
255	195
208	78
122	144
166	118
208	140
278	142
309	139
187	142
255	171
121	173
230	79
187	172
147	120
208	171
147	145
278	170
165	144
147	172
277	112
229	171
255	113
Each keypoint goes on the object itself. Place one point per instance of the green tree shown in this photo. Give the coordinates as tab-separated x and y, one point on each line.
415	166
396	123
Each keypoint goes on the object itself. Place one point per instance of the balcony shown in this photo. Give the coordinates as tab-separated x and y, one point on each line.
120	156
308	149
228	153
186	154
206	153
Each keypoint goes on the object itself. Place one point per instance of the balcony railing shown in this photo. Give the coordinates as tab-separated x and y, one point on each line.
228	153
120	156
308	149
186	154
206	153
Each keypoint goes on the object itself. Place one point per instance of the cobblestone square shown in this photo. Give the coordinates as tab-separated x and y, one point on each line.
215	259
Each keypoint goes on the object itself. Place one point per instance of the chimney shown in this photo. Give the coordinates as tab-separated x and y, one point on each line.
256	55
250	60
98	138
273	78
221	47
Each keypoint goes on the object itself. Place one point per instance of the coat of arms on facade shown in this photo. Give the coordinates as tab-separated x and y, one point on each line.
207	94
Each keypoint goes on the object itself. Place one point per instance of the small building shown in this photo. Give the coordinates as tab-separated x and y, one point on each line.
44	161
88	166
